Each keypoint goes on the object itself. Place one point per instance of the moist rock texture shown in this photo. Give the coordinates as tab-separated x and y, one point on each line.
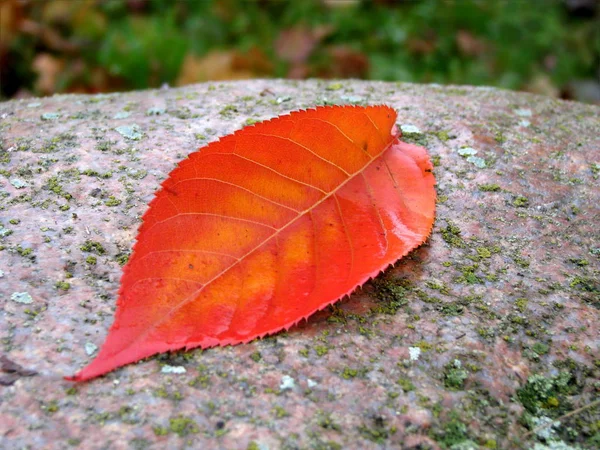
485	337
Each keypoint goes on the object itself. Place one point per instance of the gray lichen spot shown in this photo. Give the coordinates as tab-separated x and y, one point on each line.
22	297
467	151
50	116
90	348
477	161
523	112
287	382
122	115
131	132
408	128
351	98
173	369
5	231
18	183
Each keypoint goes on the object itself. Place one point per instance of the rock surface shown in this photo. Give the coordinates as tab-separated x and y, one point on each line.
485	337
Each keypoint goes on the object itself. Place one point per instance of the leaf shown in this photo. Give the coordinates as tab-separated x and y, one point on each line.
259	230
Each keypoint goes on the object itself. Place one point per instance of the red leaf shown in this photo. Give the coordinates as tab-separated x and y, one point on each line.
259	230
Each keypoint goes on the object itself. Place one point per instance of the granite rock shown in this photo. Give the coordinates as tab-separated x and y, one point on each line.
485	337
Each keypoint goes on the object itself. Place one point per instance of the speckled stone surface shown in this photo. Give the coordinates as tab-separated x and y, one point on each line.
476	340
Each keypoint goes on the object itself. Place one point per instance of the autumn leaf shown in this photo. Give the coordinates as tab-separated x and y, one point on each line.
259	230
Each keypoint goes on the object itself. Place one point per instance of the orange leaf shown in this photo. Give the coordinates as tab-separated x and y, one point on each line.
259	230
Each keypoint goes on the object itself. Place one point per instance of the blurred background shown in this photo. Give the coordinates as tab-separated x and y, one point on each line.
550	47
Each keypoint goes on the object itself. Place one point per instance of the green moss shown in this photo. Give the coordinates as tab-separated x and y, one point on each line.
484	252
451	234
93	173
540	348
521	261
326	422
334	87
161	392
256	356
253	446
63	140
489	187
365	331
406	384
228	110
378	431
4	157
182	426
438	286
468	275
585	284
452	308
62	285
104	146
160	431
71	391
391	294
122	258
491	444
455	376
486	332
521	202
54	185
349	373
25	252
547	395
303	352
91	260
581	262
521	304
424	346
436	160
51	407
112	201
443	135
321	350
279	412
202	379
93	247
452	432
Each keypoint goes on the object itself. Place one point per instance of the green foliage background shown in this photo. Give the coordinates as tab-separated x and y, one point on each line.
143	43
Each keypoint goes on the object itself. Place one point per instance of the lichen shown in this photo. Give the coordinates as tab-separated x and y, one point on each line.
183	426
520	201
93	247
452	235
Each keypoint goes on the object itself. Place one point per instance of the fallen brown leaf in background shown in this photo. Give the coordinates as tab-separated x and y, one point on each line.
348	63
468	44
295	46
48	68
224	65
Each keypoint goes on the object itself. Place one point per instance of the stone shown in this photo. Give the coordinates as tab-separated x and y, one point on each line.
435	353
